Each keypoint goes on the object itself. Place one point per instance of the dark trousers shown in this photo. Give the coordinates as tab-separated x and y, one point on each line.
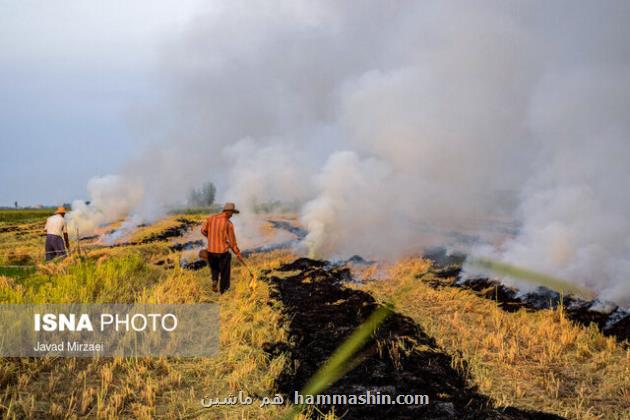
55	247
220	265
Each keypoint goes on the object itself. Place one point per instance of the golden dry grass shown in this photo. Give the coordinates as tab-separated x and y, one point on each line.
534	360
153	387
25	246
144	387
247	322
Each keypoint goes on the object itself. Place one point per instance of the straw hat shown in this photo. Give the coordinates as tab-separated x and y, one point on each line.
230	207
60	210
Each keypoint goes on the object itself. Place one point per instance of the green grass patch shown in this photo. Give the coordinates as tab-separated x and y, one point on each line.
197	210
24	215
17	272
122	279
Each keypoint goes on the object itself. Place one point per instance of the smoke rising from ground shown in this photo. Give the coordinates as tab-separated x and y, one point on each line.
386	120
112	197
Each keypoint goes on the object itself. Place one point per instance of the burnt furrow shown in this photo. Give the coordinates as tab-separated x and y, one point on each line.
320	313
183	226
611	320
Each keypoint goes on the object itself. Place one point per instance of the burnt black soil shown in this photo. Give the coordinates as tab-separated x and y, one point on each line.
399	359
183	226
188	245
613	322
282	225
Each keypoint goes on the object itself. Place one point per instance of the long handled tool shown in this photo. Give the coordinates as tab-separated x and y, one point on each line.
252	282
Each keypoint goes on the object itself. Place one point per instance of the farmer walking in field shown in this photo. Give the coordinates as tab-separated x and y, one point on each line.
220	233
57	235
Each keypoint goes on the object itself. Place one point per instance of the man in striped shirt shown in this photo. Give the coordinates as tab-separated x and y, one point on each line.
220	233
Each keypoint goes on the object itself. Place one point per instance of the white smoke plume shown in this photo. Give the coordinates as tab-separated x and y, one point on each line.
575	206
112	198
391	122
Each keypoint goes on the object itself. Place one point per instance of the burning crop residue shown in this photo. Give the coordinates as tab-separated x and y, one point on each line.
276	225
155	234
280	225
608	317
183	226
173	232
400	359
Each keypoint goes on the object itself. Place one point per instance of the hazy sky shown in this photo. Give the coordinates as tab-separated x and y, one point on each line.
74	76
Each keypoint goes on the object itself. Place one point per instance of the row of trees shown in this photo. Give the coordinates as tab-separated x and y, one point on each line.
203	196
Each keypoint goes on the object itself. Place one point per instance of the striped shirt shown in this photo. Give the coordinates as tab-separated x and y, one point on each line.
220	233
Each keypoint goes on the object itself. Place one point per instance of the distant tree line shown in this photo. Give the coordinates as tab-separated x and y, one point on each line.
203	196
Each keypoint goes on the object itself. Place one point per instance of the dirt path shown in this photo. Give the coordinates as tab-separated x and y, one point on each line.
401	359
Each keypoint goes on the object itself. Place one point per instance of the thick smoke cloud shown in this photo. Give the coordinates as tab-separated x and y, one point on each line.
112	197
389	122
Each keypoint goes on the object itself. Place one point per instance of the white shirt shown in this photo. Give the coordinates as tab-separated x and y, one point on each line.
56	225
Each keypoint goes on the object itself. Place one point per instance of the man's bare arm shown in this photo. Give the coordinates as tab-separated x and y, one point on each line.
232	240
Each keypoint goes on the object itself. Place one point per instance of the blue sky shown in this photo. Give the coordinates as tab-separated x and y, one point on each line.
75	76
